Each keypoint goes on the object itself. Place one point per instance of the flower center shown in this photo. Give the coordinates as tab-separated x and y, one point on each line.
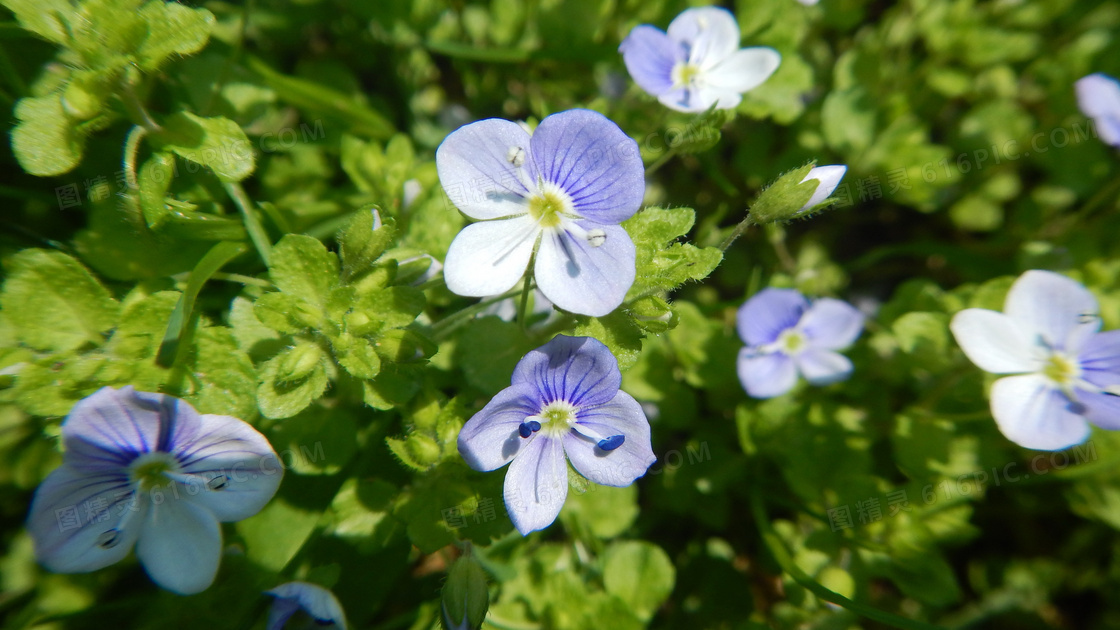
150	470
685	74
556	418
791	341
547	207
1061	370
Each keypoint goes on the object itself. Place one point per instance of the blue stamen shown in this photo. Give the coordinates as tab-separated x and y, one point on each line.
524	430
534	426
611	443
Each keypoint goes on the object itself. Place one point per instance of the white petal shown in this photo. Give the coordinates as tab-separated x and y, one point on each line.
766	375
744	70
82	522
484	168
1098	95
230	468
489	258
995	342
823	367
831	324
711	33
490	439
180	544
583	278
1059	309
621	466
1031	413
536	484
829	178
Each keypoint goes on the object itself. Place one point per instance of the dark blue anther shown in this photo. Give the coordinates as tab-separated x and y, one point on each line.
524	430
534	426
611	443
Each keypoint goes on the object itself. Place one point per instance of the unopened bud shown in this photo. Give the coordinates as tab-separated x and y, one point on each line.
465	596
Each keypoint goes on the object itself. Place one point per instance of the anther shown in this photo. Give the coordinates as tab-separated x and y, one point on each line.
109	539
1087	318
524	430
217	483
611	443
515	156
596	237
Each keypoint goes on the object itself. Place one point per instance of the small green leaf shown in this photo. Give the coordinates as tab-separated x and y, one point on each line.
640	574
173	29
217	143
356	356
278	396
275	534
359	244
784	199
618	331
48	19
302	266
286	313
54	303
46	141
394	307
605	511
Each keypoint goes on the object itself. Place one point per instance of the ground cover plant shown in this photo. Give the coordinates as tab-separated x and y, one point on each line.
559	315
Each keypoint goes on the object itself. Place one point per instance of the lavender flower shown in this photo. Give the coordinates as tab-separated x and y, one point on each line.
563	400
786	334
560	193
828	178
697	63
1098	96
1067	373
147	470
319	606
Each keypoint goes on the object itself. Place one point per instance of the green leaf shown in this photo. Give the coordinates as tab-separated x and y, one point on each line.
640	574
223	378
217	143
319	98
319	442
605	511
54	303
302	266
46	141
487	351
394	307
48	19
286	313
848	120
661	264
359	244
361	513
173	29
275	534
783	200
281	396
356	355
617	331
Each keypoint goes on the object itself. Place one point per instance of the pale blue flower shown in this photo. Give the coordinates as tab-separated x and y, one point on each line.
697	63
1098	95
146	470
312	606
560	192
563	400
787	335
1067	375
828	178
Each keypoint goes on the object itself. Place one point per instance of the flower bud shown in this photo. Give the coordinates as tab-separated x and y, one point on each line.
299	362
465	597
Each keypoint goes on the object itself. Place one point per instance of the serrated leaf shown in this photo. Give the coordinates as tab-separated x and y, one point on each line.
217	143
173	29
54	303
224	378
356	355
46	141
617	331
286	313
359	244
302	266
394	307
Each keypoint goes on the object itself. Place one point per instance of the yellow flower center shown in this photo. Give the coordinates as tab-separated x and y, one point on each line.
557	418
547	208
791	341
685	73
1061	370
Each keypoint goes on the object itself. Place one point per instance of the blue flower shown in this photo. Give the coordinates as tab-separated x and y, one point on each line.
1067	374
146	470
1098	96
561	192
786	334
697	63
563	400
316	602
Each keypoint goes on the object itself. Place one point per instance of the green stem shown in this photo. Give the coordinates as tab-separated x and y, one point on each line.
131	151
659	162
253	225
525	288
243	279
135	108
736	233
444	327
778	550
